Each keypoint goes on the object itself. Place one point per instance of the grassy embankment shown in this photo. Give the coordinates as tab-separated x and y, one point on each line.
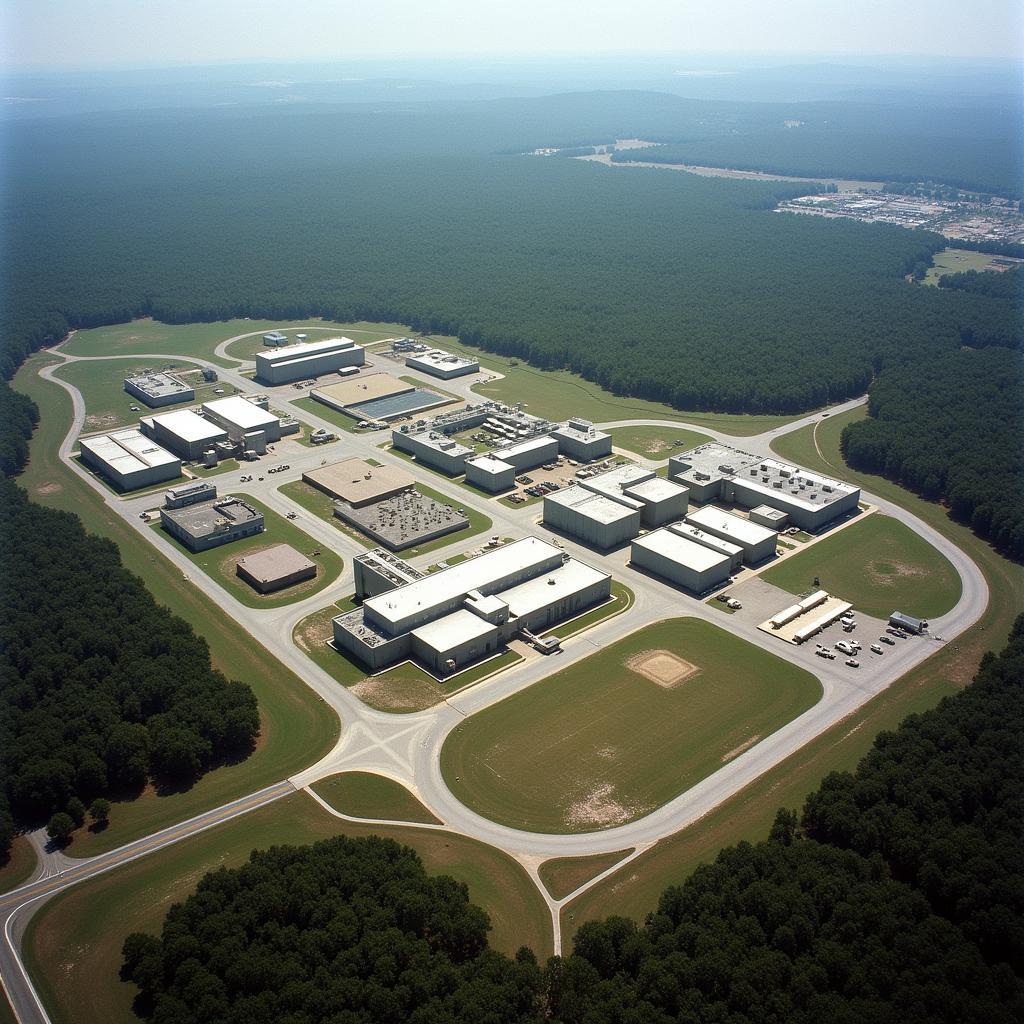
219	563
297	727
634	891
365	795
18	865
599	743
878	564
73	945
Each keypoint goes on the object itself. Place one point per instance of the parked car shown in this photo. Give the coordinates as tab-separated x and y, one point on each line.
853	662
877	648
845	647
733	604
888	640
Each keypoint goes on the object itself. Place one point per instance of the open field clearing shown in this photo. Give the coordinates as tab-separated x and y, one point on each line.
108	405
73	946
634	891
878	564
622	732
365	795
297	727
219	563
955	261
656	442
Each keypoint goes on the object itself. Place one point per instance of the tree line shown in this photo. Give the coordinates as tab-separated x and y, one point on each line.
897	895
102	690
950	429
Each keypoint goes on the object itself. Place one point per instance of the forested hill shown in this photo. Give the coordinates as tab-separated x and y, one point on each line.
899	896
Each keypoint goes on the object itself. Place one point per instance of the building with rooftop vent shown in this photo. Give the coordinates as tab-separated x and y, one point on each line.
129	460
209	524
190	494
442	364
159	389
659	501
758	542
591	517
579	439
433	449
456	616
310	359
357	482
184	433
378	571
681	560
275	339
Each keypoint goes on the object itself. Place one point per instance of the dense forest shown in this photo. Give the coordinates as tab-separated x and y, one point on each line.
950	429
1006	285
899	895
101	688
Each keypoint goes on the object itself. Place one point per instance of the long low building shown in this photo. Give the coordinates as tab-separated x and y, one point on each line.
185	433
758	542
212	523
358	483
442	364
159	389
528	454
433	449
244	421
680	560
129	460
378	571
288	363
456	616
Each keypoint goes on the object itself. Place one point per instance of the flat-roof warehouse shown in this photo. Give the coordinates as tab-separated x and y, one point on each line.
157	389
129	460
275	568
283	365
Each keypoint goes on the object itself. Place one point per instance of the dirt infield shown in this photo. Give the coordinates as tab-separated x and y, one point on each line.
398	694
662	667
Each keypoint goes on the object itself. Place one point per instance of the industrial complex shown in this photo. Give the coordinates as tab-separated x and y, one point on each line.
283	364
459	615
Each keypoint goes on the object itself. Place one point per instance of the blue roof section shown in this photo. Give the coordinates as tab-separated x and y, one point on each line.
396	405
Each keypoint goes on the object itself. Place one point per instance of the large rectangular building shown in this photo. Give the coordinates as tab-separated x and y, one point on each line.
592	518
528	454
212	523
433	449
456	616
159	389
129	460
674	557
242	420
490	474
659	501
275	568
190	494
404	520
378	571
357	482
708	540
442	364
185	433
758	542
283	365
579	439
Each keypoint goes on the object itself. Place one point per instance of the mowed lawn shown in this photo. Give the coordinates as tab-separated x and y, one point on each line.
600	744
878	564
367	795
73	945
656	442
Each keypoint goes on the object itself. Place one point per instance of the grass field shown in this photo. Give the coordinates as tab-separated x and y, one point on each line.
219	563
955	261
634	891
656	442
878	564
297	726
321	505
399	690
600	744
18	866
107	404
73	945
365	795
564	875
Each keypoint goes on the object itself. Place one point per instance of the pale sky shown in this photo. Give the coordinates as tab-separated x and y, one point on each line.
110	33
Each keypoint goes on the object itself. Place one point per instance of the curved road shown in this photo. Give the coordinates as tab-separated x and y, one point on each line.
407	747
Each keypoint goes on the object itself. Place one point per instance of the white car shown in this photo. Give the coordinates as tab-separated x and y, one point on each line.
844	647
877	648
853	662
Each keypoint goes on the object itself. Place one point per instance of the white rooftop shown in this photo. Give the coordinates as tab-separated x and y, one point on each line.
591	504
307	348
566	580
451	630
473	574
128	451
655	489
794	485
438	357
682	550
489	464
238	411
743	531
695	533
522	447
188	426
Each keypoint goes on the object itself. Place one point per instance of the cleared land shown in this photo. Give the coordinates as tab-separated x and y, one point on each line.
599	744
219	563
879	565
400	690
563	875
656	442
73	945
297	728
556	393
365	795
634	890
955	261
108	405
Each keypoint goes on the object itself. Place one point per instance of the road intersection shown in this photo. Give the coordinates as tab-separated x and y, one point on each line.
407	747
